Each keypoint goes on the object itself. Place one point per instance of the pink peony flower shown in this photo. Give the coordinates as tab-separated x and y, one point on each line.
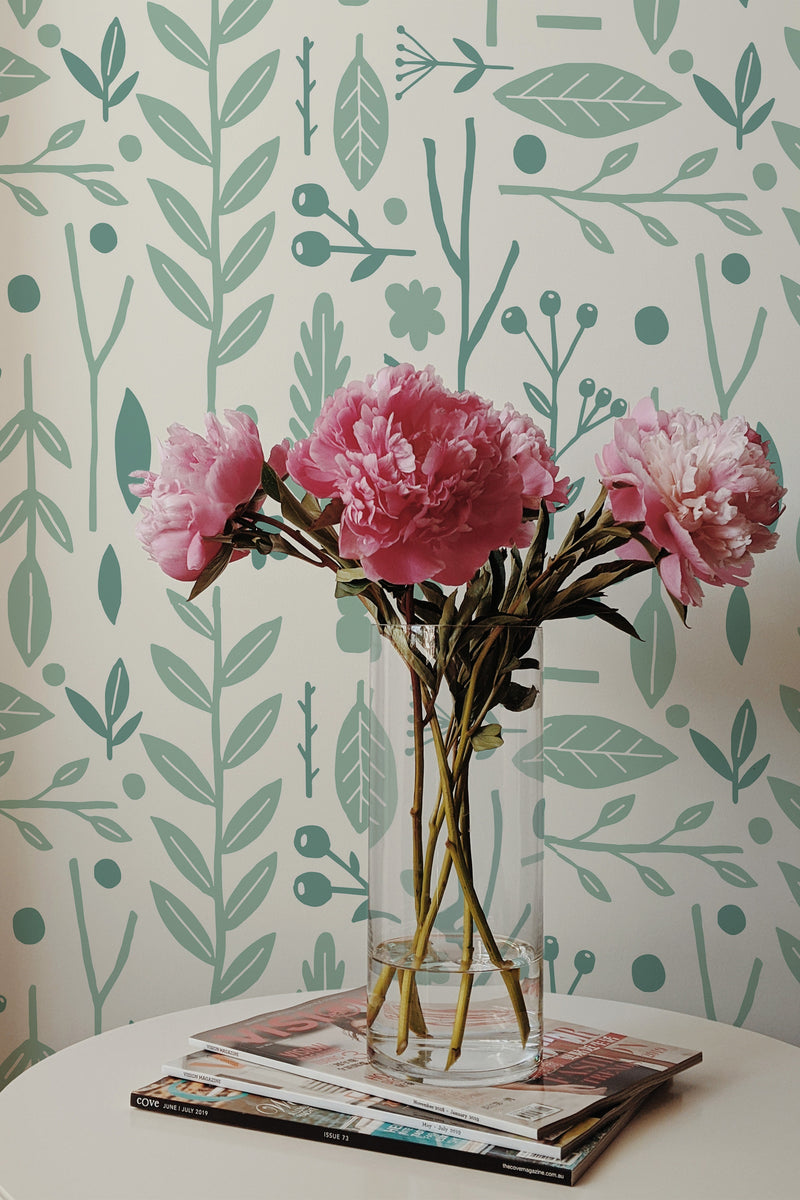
430	482
703	488
202	483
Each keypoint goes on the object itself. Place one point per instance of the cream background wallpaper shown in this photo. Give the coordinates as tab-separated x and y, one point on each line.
243	203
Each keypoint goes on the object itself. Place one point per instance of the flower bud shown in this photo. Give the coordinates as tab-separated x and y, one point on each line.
586	316
311	249
313	889
603	397
310	200
312	841
514	320
550	304
619	407
586	387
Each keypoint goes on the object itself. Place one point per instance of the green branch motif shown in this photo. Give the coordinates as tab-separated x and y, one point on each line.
95	360
421	63
230	908
304	105
312	248
596	404
744	732
228	271
29	608
61	139
459	259
115	701
99	993
112	60
314	889
725	395
705	974
305	747
746	85
66	776
29	1051
619	160
615	811
319	369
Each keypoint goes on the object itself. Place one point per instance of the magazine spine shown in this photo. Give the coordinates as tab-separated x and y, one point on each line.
551	1172
482	1133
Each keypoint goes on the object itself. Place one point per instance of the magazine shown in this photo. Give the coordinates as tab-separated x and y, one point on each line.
264	1080
169	1096
582	1071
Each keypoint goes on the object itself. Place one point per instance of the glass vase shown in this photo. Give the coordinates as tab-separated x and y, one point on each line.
455	858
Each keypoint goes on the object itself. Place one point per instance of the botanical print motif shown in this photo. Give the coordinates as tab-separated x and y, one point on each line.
241	205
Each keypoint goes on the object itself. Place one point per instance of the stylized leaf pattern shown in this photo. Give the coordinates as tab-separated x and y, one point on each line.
17	75
360	120
586	100
592	752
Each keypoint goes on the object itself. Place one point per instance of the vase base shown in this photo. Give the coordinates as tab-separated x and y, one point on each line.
491	1045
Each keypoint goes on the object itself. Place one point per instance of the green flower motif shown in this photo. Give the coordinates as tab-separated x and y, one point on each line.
415	312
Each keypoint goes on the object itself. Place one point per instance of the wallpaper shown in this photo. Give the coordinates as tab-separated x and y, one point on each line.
245	203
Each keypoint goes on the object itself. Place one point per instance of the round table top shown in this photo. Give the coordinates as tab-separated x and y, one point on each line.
724	1130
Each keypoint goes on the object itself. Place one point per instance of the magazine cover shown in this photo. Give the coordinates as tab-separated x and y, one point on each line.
219	1070
181	1098
583	1070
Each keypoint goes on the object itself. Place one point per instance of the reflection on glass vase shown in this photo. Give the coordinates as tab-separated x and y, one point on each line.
455	858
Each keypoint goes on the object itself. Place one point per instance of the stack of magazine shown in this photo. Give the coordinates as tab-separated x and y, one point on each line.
303	1071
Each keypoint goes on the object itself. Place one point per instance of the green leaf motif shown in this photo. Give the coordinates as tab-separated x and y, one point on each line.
181	680
249	893
19	713
595	236
789	138
70	773
656	20
175	130
592	884
250	821
591	752
790	700
737	624
17	76
29	610
251	733
748	77
360	120
615	811
697	164
248	253
249	90
108	829
54	522
250	653
25	10
326	972
247	968
191	615
87	712
586	100
178	769
185	855
365	773
27	200
240	17
791	874
14	514
117	692
321	371
249	177
654	880
788	798
10	435
792	38
790	949
106	193
177	37
694	816
711	754
182	217
733	874
112	51
83	74
244	331
791	291
183	924
65	136
743	733
179	288
653	658
132	446
51	439
716	100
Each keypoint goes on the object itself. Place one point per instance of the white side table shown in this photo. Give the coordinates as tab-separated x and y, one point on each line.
726	1130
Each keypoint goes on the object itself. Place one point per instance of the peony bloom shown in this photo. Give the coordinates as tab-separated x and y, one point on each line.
430	482
703	488
203	481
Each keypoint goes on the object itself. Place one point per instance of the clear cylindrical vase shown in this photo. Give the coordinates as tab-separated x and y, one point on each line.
455	857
